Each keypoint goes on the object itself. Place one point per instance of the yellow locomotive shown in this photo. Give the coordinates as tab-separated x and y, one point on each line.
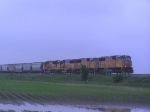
108	64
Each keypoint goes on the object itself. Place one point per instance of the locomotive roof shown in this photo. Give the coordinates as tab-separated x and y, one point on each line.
104	56
120	56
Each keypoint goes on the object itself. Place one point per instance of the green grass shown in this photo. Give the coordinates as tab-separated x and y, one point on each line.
128	80
98	88
78	92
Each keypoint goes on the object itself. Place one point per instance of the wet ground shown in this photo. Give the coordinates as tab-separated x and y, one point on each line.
28	107
18	102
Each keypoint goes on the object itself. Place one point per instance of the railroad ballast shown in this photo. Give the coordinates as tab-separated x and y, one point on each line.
107	64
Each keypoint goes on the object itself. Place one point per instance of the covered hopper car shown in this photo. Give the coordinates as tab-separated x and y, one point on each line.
37	67
18	68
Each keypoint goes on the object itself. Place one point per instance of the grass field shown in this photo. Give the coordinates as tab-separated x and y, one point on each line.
70	88
128	80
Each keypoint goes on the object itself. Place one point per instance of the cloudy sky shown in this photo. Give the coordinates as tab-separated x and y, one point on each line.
41	30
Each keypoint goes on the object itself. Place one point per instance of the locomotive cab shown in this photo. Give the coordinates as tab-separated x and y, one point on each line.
127	64
127	61
124	64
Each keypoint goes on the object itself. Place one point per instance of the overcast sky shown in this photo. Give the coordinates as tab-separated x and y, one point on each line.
41	30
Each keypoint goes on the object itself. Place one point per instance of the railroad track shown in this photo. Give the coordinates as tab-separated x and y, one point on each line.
141	74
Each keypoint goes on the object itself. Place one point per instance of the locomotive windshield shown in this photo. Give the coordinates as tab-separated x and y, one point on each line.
129	59
125	59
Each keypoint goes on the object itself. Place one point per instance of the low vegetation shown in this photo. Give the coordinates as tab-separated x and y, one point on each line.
118	78
126	80
84	72
71	88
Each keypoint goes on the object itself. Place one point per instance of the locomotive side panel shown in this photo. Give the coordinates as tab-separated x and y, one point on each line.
67	65
93	64
58	68
53	66
61	67
77	64
119	63
101	64
72	66
85	62
112	64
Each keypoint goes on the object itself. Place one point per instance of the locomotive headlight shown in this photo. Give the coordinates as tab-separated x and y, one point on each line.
125	66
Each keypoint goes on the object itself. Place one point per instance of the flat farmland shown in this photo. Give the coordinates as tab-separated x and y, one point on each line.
70	89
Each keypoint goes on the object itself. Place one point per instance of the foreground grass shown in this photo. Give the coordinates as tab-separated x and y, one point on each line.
128	80
78	92
72	89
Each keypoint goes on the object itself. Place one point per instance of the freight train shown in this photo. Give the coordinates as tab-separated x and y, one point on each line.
108	64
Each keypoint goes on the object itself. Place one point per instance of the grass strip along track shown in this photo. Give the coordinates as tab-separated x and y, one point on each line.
63	89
